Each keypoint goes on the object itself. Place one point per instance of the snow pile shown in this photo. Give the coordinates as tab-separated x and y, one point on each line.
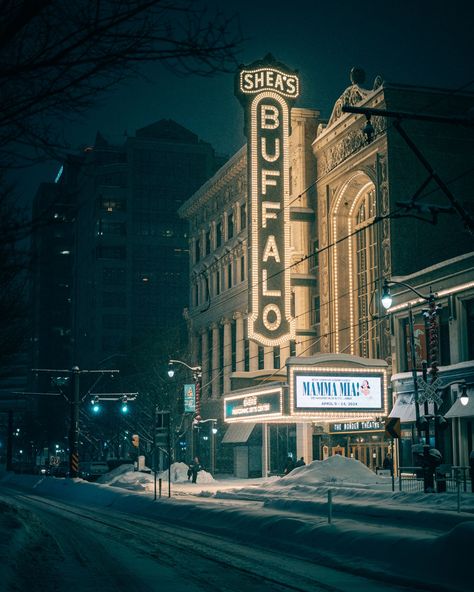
126	477
114	475
179	474
335	470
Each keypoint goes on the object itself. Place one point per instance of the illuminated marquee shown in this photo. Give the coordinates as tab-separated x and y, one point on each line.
338	392
264	404
267	94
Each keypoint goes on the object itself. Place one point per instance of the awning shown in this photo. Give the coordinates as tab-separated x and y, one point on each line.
238	433
404	408
460	410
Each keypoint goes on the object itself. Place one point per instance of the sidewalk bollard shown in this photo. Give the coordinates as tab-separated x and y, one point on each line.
329	506
459	495
159	488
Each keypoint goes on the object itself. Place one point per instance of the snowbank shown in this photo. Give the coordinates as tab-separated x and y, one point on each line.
126	477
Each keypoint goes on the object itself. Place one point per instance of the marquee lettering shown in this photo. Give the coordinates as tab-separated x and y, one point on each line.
267	94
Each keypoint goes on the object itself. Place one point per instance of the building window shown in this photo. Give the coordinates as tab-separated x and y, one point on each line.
421	339
242	268
316	311
469	307
261	357
114	321
114	276
229	276
243	216
230	225
114	299
195	295
109	204
246	355
108	227
233	341
315	256
112	252
218	282
218	234
221	359
366	272
197	250
276	357
209	360
208	242
292	347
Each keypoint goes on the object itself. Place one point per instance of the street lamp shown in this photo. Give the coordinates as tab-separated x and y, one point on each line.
212	447
464	398
197	374
387	303
433	352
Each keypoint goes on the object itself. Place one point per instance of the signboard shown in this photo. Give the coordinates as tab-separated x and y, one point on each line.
264	404
189	398
338	392
348	427
392	427
267	90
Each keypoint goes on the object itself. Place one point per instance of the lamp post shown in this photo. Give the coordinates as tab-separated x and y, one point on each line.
212	445
197	375
431	315
387	303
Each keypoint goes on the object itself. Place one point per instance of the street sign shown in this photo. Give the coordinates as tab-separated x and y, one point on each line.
189	398
429	392
392	427
54	461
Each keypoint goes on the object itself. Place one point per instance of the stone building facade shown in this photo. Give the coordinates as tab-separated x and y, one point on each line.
218	215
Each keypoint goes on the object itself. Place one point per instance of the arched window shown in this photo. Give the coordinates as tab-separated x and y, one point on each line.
366	271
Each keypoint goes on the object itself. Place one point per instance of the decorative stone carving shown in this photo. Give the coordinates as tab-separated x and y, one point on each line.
348	145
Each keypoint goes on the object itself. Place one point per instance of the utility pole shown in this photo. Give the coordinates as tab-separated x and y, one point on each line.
73	376
74	427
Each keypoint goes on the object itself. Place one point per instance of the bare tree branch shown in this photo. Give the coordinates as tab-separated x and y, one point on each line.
57	58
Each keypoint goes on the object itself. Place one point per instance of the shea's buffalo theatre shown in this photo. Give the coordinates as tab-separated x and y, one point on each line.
290	242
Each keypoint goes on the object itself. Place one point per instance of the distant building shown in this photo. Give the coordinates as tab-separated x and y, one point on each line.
111	266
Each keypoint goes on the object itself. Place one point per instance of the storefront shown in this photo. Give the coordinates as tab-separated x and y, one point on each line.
330	404
362	440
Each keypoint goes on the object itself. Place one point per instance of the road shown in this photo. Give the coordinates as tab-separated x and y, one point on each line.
50	546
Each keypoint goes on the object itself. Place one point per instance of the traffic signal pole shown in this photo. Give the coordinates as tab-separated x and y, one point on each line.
74	427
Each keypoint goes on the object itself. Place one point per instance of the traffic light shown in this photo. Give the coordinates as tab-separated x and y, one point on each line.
124	405
136	440
95	405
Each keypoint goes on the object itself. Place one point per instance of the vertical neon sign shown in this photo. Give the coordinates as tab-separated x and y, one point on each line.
267	90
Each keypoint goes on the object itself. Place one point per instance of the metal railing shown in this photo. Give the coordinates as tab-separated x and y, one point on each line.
447	478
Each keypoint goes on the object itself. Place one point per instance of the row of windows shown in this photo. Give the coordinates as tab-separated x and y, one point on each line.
221	232
214	284
276	355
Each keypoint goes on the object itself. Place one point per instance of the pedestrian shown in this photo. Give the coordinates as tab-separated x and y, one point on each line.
290	465
300	463
388	463
194	469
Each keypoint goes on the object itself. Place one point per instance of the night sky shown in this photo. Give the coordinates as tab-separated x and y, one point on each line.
426	43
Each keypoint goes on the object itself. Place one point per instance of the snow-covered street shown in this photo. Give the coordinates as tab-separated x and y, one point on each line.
233	534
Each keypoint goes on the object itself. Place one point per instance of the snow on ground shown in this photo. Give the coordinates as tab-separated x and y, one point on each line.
126	477
414	536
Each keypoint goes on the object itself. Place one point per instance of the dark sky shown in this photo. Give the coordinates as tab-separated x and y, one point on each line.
420	42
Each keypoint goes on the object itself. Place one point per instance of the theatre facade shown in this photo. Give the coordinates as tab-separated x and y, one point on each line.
289	244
